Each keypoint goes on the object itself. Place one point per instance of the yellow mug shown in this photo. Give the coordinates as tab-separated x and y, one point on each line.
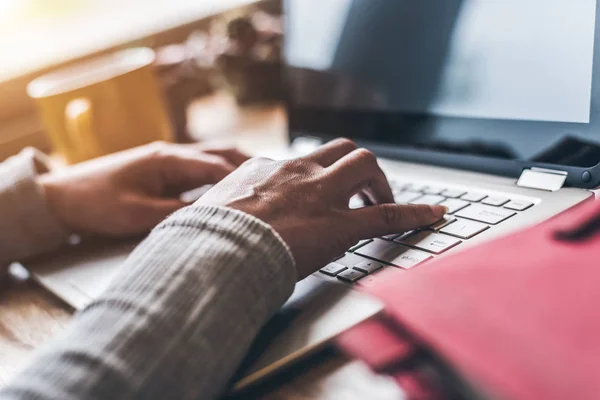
103	105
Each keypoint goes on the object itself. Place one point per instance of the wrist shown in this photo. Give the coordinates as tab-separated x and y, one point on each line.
42	166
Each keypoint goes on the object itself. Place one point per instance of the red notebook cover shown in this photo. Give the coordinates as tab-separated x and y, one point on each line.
519	317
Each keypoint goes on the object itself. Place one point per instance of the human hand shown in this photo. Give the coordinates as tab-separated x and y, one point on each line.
129	192
306	201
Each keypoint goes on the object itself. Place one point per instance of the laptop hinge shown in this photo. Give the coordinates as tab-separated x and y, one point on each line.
542	179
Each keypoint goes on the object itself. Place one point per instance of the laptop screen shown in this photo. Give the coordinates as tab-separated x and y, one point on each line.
510	79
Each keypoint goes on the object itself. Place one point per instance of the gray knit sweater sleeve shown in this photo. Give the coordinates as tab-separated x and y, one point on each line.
27	227
177	321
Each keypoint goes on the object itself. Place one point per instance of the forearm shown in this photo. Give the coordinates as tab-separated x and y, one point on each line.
179	318
27	227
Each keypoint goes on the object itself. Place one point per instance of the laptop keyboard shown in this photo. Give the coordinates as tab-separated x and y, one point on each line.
469	214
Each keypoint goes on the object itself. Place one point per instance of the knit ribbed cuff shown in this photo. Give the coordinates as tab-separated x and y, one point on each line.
218	238
228	219
28	227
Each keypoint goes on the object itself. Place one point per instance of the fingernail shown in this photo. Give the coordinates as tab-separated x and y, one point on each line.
439	211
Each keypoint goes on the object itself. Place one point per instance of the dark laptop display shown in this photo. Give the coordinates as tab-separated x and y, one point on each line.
489	85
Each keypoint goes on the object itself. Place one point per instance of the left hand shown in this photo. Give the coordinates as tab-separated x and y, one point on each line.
129	192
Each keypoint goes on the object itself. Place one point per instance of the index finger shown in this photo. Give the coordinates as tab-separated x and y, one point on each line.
384	219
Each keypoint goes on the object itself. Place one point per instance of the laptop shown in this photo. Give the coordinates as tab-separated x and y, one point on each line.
490	108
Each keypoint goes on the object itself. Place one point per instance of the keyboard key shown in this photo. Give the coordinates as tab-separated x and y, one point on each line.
391	237
433	190
410	258
359	245
453	193
474	197
454	205
445	221
356	202
465	229
519	205
377	249
406	197
368	267
495	201
398	188
405	234
393	253
429	199
416	187
486	214
395	185
333	269
351	275
350	260
433	242
379	276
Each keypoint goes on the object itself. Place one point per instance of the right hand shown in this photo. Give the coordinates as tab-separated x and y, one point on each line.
306	201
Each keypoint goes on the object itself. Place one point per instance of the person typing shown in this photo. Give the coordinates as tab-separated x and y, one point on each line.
158	331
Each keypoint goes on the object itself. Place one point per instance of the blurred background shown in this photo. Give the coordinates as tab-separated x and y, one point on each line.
208	53
39	33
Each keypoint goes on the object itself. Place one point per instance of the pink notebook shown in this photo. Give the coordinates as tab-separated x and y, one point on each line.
518	318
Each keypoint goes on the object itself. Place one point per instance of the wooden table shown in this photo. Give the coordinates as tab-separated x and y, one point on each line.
30	316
